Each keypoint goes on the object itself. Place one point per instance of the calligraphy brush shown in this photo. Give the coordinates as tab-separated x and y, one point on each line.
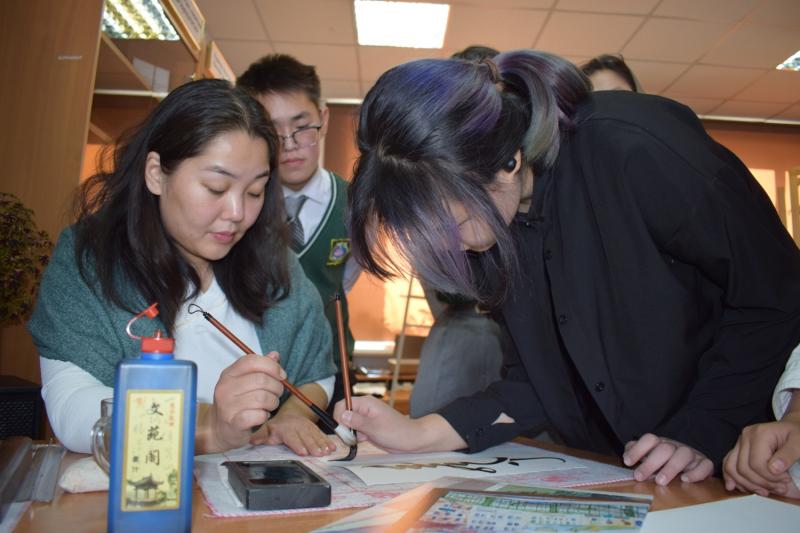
344	433
344	367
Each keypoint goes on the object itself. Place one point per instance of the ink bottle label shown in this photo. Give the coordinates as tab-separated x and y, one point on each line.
151	478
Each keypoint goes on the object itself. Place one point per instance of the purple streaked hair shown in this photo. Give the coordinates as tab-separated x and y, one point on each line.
434	131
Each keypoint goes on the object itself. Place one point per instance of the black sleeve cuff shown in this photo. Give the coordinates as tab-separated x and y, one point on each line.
473	419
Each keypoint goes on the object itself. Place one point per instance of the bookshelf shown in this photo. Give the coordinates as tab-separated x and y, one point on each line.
69	89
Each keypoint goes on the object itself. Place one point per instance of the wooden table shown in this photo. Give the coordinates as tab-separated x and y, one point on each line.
87	512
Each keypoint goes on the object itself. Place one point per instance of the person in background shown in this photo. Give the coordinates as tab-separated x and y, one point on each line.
316	198
766	458
189	214
651	292
475	52
463	352
610	73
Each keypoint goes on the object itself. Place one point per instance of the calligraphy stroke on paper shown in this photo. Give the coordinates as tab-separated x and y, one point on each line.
465	465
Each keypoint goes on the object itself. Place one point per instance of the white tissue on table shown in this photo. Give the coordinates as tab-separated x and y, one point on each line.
84	475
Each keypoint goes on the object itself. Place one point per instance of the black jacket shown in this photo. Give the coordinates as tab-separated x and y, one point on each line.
658	290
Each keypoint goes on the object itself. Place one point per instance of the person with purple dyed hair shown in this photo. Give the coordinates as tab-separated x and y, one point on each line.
462	353
649	288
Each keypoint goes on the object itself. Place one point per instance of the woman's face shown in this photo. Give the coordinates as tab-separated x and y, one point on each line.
508	191
210	200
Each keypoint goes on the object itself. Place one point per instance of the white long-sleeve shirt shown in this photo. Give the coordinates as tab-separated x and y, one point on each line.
788	384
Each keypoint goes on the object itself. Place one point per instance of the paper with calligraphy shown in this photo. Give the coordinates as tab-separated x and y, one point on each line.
347	490
503	460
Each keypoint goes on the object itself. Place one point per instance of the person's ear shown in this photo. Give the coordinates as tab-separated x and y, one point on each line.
324	115
517	161
153	174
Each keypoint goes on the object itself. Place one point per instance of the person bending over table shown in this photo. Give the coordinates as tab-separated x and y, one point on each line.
648	285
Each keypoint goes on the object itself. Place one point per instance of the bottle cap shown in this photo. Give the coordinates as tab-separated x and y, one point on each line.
158	344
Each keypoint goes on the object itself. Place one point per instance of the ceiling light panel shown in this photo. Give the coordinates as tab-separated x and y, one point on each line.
401	24
791	63
137	19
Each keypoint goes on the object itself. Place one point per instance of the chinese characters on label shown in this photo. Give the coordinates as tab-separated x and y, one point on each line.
153	432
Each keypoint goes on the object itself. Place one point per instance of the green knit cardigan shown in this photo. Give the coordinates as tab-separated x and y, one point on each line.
75	322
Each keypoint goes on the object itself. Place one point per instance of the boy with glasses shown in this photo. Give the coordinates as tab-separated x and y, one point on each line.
315	198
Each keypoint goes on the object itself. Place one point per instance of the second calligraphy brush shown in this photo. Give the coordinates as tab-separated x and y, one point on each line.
344	433
344	368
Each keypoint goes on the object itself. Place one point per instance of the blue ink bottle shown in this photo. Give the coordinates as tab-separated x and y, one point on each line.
152	438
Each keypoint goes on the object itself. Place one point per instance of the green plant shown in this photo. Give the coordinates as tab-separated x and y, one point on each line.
24	252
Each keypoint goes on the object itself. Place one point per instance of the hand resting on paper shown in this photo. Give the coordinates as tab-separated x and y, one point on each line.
666	458
375	421
296	432
294	425
761	458
244	394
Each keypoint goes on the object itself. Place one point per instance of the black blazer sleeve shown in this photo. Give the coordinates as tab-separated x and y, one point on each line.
473	417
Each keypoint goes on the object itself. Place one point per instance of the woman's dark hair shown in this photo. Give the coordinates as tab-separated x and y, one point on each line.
435	131
119	231
613	63
475	52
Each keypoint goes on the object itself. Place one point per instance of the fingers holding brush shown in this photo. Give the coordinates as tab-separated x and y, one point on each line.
245	393
266	393
348	436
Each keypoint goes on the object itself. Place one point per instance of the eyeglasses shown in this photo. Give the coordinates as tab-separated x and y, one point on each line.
304	136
